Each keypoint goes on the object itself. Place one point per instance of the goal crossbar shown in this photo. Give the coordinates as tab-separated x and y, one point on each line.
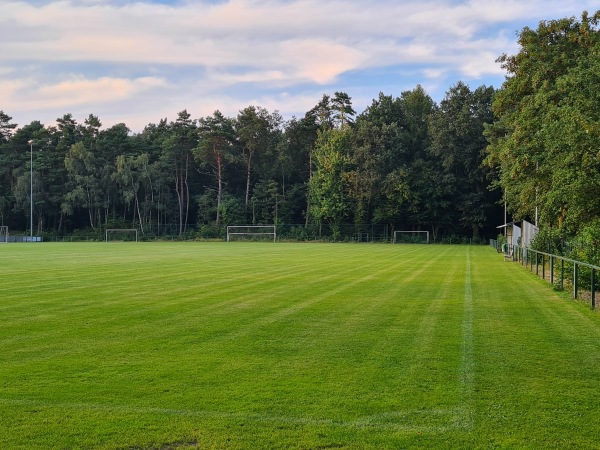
251	230
403	232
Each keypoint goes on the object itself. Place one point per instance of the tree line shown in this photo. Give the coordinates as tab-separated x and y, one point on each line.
405	162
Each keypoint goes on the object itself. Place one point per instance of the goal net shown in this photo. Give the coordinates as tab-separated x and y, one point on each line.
411	237
3	234
251	233
121	234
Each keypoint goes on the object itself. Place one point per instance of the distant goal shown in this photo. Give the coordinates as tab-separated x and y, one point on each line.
121	234
251	233
3	234
411	237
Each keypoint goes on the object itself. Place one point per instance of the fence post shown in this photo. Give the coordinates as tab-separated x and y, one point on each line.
522	256
593	289
552	270
544	267
562	274
575	271
537	269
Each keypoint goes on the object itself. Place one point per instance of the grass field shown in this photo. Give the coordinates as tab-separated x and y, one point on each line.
256	345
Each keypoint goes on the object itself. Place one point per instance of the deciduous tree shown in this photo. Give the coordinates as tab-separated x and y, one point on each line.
329	186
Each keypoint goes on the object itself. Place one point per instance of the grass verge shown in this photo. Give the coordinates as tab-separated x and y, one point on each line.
245	345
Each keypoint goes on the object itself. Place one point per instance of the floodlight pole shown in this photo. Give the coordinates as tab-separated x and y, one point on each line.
30	142
505	217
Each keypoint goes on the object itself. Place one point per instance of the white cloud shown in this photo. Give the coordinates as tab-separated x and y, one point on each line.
434	73
320	61
102	55
73	92
79	90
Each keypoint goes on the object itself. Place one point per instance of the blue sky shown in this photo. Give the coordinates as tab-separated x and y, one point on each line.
139	61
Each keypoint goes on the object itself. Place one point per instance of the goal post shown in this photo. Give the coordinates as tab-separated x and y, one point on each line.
412	237
3	234
121	234
254	232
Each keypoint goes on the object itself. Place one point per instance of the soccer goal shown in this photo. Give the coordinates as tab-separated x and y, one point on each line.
251	232
121	234
411	237
3	234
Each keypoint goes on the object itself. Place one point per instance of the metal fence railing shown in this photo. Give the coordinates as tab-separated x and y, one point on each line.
561	272
21	239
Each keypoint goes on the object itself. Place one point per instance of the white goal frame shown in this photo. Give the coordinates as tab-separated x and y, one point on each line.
396	233
3	234
251	230
120	230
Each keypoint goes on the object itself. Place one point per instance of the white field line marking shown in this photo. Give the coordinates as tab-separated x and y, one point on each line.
447	418
466	370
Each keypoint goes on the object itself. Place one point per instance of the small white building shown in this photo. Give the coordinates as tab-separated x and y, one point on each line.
519	234
529	232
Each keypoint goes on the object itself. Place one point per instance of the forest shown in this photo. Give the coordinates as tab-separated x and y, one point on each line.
404	163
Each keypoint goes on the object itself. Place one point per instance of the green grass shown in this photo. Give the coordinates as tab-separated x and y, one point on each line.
248	345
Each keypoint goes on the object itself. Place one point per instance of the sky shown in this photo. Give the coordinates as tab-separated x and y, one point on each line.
137	62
